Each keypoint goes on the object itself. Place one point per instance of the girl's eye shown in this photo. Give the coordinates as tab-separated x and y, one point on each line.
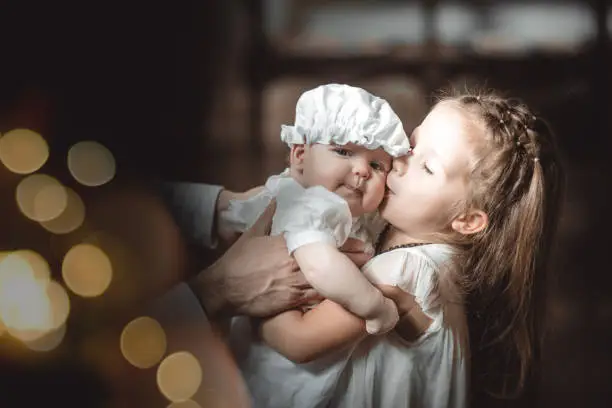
342	152
427	169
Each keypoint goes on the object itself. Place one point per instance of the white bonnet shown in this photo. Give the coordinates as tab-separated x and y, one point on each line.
342	114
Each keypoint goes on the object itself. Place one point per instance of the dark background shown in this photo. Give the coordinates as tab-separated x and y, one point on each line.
197	90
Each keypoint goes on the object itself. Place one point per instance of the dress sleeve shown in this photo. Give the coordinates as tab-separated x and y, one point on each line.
419	277
314	215
412	271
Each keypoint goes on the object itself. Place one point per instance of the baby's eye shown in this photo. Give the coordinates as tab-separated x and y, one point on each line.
342	152
378	166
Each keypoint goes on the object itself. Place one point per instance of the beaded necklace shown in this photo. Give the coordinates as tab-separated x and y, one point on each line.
382	235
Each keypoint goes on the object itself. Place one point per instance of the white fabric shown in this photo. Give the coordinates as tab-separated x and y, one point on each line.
303	215
381	371
431	372
274	381
341	114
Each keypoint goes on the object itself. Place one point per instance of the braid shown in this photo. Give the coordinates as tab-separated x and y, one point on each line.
510	125
509	122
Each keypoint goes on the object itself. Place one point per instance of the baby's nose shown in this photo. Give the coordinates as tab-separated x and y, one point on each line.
362	168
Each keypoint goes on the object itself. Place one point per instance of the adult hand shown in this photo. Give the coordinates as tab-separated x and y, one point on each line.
413	322
356	251
255	277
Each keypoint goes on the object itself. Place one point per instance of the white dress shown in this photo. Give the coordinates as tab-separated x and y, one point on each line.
381	371
431	372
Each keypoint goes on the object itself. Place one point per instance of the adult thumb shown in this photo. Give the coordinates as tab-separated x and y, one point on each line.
264	223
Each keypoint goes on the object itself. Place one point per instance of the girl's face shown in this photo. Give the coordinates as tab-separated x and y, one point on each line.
353	172
426	187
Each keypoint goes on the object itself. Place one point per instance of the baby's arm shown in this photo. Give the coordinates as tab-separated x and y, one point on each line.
335	277
303	337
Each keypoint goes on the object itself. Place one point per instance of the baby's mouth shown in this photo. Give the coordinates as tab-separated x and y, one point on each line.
354	190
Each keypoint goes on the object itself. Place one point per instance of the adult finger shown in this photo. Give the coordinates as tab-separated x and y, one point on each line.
294	279
311	295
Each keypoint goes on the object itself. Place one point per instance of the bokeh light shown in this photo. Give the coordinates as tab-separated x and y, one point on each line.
185	404
23	151
36	263
24	308
87	270
143	342
179	376
71	218
91	164
60	304
31	305
41	197
48	341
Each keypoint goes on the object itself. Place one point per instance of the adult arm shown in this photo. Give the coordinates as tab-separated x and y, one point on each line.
196	209
193	207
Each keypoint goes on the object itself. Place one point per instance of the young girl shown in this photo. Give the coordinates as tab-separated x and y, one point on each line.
342	144
471	211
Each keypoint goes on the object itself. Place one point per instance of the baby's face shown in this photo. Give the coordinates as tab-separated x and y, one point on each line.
353	172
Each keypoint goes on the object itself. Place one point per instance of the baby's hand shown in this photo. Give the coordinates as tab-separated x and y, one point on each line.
385	319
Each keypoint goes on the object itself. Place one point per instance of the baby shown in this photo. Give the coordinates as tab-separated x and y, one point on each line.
342	145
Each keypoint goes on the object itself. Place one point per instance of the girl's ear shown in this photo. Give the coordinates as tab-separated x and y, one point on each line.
470	222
